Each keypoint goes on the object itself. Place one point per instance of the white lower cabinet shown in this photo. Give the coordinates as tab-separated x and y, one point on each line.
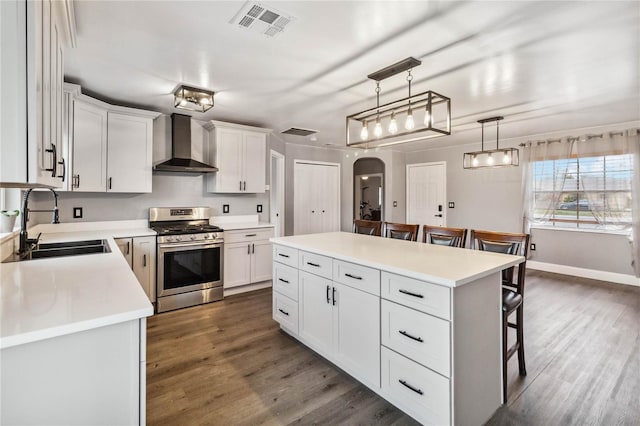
316	312
247	256
140	253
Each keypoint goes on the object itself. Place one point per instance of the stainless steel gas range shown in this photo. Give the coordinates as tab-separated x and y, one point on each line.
190	257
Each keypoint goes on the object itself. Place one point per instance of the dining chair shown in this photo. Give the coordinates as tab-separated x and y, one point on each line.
367	227
453	237
512	291
400	231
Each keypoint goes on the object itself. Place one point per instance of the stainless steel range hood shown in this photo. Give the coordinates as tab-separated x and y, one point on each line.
181	160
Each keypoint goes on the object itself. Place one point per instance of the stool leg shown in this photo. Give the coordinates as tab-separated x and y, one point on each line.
505	329
520	335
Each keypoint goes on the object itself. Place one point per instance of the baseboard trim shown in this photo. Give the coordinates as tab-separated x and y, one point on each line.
595	274
244	288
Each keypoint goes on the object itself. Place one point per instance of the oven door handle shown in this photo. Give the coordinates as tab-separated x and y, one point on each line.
198	245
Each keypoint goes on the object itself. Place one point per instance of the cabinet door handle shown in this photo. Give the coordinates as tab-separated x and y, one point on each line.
240	185
437	215
251	235
245	186
128	246
355	277
253	248
313	264
144	260
333	296
411	294
78	179
328	297
110	182
286	313
283	255
416	390
64	170
404	333
248	248
54	162
284	281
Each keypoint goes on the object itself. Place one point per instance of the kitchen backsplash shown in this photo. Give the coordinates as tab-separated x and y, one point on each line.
168	190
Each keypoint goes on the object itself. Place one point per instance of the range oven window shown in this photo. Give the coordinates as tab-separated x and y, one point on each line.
189	267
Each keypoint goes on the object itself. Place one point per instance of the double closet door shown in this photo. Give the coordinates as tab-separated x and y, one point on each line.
316	191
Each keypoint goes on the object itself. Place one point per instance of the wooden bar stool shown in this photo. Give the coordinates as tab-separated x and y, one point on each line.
367	227
453	237
512	292
400	231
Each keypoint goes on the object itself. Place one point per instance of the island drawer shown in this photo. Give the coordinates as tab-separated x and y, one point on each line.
285	311
357	276
286	255
285	280
421	295
243	235
316	264
421	337
415	389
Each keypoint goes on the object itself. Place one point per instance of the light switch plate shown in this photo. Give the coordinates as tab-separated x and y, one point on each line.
259	209
452	204
225	208
395	204
77	212
533	247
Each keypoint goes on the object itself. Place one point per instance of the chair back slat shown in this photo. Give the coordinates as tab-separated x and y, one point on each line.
401	231
453	237
367	227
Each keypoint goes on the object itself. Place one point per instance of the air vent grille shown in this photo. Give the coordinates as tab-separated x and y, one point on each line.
299	132
261	18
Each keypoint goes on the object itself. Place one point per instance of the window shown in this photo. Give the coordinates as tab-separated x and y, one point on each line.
591	192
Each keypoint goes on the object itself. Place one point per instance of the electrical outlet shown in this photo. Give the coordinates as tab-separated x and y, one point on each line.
225	208
77	212
532	247
259	209
452	205
395	204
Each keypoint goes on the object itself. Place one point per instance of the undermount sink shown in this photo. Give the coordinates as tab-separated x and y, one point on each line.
72	248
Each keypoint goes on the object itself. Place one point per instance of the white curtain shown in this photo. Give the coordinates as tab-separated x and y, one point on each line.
543	179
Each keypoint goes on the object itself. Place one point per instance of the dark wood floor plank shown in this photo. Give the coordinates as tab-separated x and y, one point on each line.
229	363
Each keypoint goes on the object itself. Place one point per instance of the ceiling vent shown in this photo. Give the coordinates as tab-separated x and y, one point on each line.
261	18
298	132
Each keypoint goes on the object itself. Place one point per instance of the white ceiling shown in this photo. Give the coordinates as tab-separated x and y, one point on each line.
544	65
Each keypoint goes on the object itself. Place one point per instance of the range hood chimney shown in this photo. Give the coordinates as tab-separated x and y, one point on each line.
181	160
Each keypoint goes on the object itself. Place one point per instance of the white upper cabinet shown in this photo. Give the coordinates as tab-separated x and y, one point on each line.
239	153
89	148
111	146
129	155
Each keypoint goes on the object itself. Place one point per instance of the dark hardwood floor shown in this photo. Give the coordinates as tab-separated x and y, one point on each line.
228	363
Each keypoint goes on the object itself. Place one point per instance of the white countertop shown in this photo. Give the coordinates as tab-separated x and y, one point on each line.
233	223
442	265
51	297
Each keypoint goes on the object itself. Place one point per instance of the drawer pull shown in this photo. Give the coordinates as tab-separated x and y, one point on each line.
355	277
251	235
313	264
404	383
286	313
411	294
404	333
284	281
283	255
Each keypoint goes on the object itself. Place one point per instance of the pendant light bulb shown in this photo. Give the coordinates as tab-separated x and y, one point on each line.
475	161
505	158
409	124
377	130
393	124
427	117
364	133
490	160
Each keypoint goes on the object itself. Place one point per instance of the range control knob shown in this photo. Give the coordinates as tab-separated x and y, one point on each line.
169	239
178	238
206	236
193	237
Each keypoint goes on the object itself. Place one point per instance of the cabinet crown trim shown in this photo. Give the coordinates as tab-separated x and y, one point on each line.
76	93
213	124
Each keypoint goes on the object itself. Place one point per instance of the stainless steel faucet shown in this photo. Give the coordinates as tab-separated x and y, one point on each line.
26	243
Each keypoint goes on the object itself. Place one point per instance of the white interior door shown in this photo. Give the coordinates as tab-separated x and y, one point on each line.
316	204
277	193
426	194
330	202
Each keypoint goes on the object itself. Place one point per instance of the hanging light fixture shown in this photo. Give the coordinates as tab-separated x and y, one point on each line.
499	157
193	99
407	110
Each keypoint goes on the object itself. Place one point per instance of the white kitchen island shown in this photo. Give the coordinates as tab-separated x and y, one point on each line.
73	335
419	324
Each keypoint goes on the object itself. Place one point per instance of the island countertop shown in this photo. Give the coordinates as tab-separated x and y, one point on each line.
448	266
51	297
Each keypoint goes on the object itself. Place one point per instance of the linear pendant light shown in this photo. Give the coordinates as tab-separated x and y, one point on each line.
499	157
422	116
